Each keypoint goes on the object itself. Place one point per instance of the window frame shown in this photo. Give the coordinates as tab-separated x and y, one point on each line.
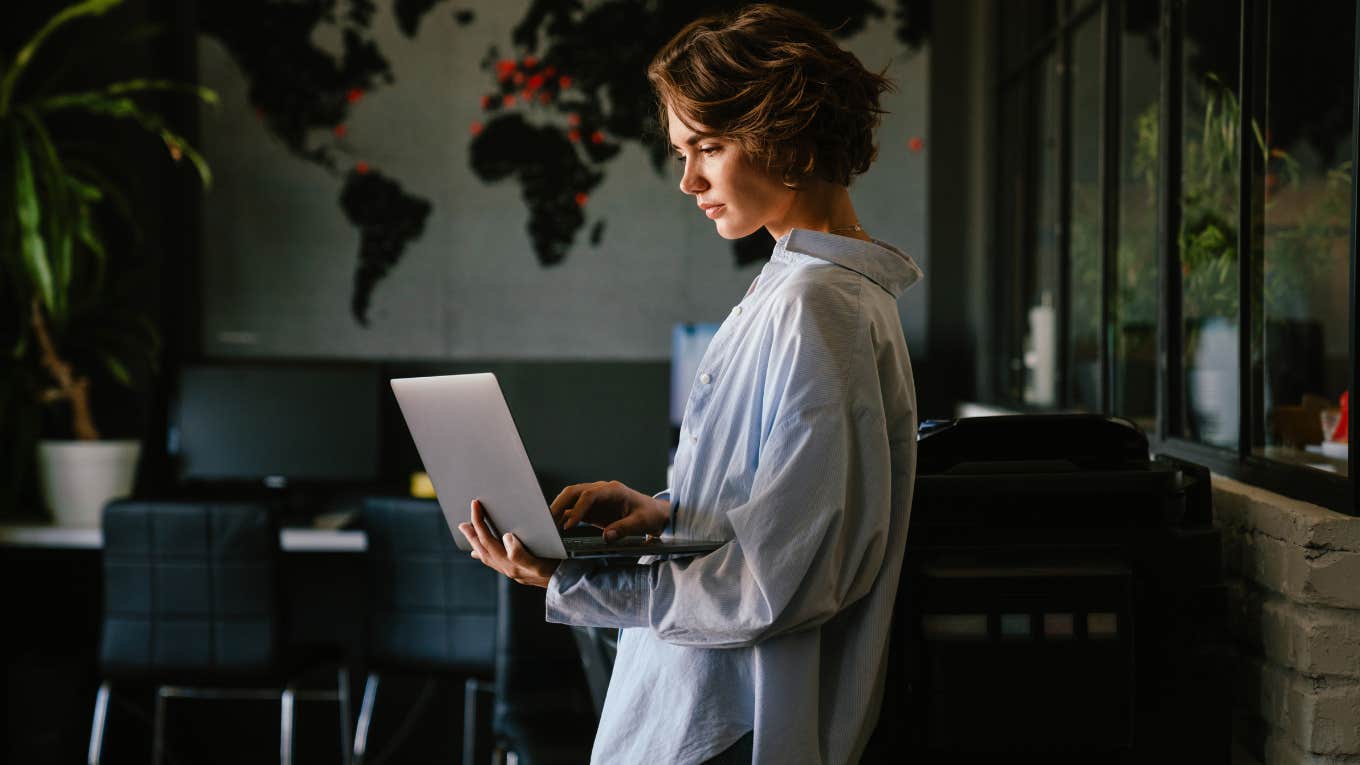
1330	490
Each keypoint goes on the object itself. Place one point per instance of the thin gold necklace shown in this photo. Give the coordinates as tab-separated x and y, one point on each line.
855	228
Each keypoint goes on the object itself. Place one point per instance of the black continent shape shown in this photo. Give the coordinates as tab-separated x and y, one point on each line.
610	94
388	220
297	88
550	174
410	12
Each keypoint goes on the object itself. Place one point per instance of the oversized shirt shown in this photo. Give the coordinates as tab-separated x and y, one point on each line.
798	447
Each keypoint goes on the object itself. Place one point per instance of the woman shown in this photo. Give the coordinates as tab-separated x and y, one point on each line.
798	440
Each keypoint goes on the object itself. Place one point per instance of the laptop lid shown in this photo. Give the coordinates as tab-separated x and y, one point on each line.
468	442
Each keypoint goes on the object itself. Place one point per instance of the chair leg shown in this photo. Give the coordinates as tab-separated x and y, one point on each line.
342	692
158	734
472	689
286	726
365	717
101	712
470	720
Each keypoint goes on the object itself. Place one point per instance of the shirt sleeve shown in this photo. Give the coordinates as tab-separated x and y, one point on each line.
809	540
807	545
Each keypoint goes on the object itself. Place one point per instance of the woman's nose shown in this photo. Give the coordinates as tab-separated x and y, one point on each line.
691	182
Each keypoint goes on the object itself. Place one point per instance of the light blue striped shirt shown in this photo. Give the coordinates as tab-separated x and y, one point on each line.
798	445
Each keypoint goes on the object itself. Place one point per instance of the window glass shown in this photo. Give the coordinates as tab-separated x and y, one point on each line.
1134	308
1014	224
1083	344
1208	235
1306	148
1040	350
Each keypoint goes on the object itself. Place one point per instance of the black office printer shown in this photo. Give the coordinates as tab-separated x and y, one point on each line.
1061	601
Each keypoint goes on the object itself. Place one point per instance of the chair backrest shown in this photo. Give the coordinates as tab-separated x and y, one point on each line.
190	590
431	606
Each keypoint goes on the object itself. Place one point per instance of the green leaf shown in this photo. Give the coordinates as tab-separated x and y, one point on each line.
28	210
85	172
89	236
55	213
60	235
26	53
126	108
179	146
118	369
85	192
142	85
45	142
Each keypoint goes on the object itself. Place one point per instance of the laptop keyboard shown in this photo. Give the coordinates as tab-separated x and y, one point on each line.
593	542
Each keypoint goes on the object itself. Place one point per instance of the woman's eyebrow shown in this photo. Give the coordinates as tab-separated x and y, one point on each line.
693	139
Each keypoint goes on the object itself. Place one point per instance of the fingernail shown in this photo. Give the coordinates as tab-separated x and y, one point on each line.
610	535
506	539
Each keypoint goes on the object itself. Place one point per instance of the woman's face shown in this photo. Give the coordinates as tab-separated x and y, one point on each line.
738	196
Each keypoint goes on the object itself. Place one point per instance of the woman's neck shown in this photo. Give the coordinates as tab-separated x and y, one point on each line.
820	206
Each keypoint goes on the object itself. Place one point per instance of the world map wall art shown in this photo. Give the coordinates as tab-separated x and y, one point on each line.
471	179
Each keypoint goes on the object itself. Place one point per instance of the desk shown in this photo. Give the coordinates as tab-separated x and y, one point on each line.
291	540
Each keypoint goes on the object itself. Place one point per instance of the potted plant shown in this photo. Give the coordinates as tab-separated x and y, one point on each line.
65	299
1208	246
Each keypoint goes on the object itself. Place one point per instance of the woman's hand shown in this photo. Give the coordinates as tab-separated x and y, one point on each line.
611	506
507	555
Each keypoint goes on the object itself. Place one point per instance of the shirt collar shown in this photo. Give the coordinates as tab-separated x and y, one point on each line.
879	262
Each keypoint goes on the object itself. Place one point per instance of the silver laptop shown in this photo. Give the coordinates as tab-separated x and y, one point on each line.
471	449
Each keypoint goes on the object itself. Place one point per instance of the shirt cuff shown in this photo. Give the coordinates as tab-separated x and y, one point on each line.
669	531
593	594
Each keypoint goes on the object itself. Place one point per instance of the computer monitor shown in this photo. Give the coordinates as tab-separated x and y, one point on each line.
276	424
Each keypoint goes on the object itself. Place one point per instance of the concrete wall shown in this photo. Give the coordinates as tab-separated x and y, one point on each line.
1293	575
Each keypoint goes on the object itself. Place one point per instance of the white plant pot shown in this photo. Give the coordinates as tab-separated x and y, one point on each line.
79	477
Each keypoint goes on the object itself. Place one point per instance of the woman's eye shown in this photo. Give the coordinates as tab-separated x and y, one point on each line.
710	150
679	158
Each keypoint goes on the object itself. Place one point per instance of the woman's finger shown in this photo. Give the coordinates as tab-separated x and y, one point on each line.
489	542
469	534
627	526
514	550
565	499
478	551
581	510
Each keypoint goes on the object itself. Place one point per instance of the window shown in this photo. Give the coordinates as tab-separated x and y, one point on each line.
1175	227
1300	341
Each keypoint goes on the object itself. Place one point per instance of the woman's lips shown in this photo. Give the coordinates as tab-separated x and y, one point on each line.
714	211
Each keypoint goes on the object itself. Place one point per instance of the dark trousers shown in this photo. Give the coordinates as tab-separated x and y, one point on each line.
737	754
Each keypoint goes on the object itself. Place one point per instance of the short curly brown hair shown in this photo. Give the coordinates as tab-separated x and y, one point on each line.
774	82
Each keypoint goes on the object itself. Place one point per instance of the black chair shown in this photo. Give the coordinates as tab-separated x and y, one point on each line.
432	608
544	714
192	607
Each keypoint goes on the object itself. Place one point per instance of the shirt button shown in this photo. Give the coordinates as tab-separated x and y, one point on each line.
705	378
736	311
694	438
